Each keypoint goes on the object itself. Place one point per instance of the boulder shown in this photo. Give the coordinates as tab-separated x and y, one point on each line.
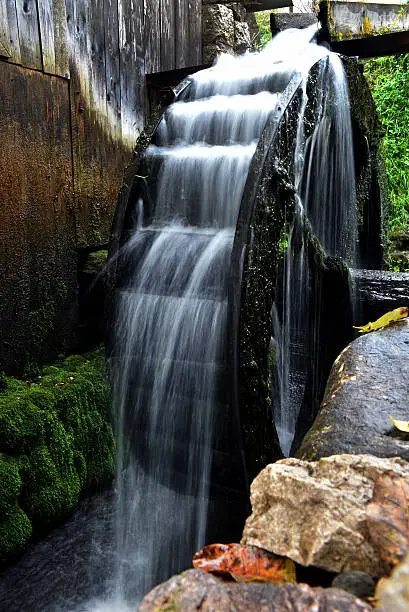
368	382
393	593
195	590
218	31
315	514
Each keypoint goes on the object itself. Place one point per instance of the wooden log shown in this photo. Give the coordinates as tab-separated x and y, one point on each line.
13	31
167	35
29	34
46	22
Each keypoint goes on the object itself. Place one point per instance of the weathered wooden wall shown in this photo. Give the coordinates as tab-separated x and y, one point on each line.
73	101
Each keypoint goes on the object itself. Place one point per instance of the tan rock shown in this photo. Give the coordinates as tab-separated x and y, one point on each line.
195	590
314	512
393	593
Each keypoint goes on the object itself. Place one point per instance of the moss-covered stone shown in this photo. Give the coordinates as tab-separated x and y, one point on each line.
56	442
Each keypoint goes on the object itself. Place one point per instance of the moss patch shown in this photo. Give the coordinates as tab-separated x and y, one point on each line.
56	442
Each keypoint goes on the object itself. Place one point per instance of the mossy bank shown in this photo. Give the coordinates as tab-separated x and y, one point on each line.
56	442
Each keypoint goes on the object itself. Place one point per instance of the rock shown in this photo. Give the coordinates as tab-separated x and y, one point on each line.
195	590
368	382
357	583
393	593
314	513
218	31
242	40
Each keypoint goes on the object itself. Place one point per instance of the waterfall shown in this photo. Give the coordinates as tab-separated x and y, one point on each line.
169	348
326	206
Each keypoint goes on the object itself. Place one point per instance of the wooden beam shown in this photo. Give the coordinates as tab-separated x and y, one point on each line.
169	78
373	46
253	6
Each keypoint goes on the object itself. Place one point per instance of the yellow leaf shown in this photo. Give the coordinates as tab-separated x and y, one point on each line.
401	425
384	320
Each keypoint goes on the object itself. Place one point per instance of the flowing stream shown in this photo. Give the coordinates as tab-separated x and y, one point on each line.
169	350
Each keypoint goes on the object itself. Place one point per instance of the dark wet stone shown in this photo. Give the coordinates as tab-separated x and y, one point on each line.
368	382
195	590
359	584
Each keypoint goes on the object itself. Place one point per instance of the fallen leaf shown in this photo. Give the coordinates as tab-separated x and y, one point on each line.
401	425
244	563
387	517
384	320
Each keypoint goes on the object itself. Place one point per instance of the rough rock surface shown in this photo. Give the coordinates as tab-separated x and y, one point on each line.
368	382
393	593
195	590
224	30
314	513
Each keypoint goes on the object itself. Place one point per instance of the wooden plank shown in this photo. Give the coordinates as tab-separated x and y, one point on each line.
29	35
13	31
96	58
62	63
37	235
5	50
152	35
167	35
132	69
195	57
253	6
113	79
373	46
46	20
182	27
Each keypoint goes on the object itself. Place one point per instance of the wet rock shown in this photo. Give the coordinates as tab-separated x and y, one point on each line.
368	382
393	593
314	513
359	584
242	40
218	31
195	590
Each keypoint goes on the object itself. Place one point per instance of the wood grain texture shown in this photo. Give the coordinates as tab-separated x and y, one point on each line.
29	34
132	69
62	65
5	50
46	22
152	23
13	31
182	27
112	67
194	57
167	35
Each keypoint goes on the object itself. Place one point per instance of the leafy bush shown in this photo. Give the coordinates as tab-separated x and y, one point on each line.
388	78
263	22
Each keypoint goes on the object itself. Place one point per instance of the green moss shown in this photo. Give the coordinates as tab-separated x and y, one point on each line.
10	483
55	438
15	533
96	261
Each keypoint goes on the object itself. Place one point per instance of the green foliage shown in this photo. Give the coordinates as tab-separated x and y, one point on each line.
388	78
263	22
55	443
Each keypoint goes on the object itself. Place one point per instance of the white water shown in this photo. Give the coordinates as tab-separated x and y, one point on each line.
169	353
325	181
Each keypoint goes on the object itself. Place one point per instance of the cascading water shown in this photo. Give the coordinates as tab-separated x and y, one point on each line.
326	206
169	356
172	307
